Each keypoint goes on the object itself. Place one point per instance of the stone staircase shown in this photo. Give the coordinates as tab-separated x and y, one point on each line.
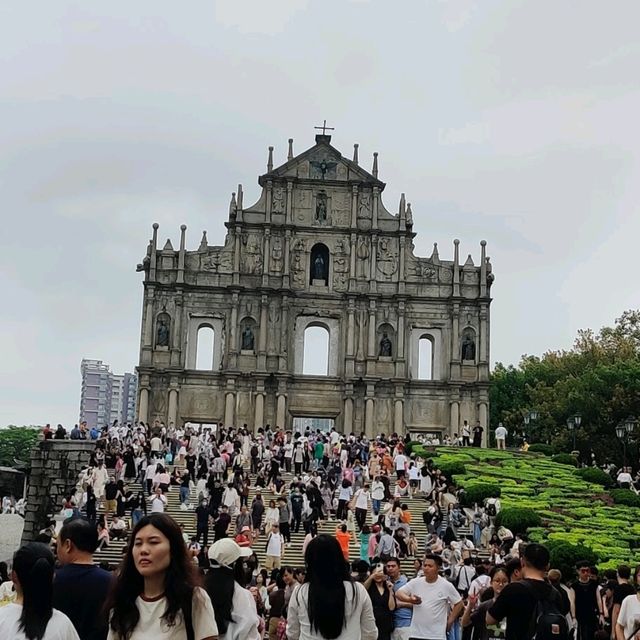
293	553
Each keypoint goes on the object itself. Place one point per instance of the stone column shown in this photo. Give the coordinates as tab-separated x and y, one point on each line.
258	420
267	207
353	261
347	421
354	206
143	404
398	417
262	342
266	256
177	342
483	418
281	411
232	347
284	335
372	264
289	214
455	342
229	406
287	251
376	199
236	254
350	327
371	348
401	274
369	409
147	338
173	407
454	421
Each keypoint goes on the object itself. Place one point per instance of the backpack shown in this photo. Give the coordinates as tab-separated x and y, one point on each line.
491	509
254	451
547	621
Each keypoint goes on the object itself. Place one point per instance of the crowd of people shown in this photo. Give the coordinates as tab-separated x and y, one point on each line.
365	573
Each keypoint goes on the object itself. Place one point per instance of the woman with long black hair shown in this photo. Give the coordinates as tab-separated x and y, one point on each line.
235	608
329	606
156	594
32	616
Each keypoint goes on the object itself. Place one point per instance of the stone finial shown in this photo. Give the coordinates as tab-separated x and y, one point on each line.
233	205
435	256
183	227
374	171
204	245
240	197
409	215
403	205
469	261
270	160
355	152
167	245
290	154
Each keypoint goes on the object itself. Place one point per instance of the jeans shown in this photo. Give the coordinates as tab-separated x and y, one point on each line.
136	515
376	506
184	494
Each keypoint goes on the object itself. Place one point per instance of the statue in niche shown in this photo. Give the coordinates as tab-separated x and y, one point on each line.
468	348
162	333
319	268
321	207
248	339
385	346
277	203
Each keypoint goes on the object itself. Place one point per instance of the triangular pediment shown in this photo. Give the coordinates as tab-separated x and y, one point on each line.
322	162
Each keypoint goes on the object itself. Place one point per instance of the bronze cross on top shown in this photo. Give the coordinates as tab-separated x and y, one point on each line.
324	128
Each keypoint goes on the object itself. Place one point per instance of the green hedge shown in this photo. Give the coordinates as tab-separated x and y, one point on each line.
408	448
596	476
451	469
476	492
626	497
565	556
541	447
518	519
565	458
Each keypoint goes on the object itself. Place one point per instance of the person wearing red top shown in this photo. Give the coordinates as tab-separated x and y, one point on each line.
344	538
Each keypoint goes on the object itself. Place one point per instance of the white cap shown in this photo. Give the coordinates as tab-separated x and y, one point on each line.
225	552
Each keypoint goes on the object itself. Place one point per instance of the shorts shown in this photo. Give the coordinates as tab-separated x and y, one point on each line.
110	505
272	562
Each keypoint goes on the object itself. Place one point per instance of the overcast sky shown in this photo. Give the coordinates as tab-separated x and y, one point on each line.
514	122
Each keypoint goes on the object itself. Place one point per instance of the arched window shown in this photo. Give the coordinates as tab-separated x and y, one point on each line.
316	351
204	348
319	265
425	358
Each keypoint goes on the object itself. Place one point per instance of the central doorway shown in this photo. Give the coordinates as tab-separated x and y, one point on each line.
302	424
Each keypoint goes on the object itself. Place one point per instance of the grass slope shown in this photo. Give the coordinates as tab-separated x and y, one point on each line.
572	510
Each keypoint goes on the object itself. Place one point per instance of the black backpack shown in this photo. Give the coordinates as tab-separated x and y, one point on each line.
547	621
491	509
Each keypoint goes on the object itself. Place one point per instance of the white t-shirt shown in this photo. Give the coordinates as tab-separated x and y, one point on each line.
158	503
629	616
274	546
429	618
623	476
156	444
362	499
245	617
501	433
345	493
401	461
59	627
152	627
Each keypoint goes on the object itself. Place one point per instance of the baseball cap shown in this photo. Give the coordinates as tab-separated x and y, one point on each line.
225	552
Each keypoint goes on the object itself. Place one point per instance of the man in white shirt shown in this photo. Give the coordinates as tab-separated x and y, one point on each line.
362	505
274	549
156	445
401	465
158	501
624	478
436	603
501	436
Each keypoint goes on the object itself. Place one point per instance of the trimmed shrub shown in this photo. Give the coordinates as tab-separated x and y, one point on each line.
408	448
518	519
625	497
596	476
565	556
565	458
476	492
541	447
451	469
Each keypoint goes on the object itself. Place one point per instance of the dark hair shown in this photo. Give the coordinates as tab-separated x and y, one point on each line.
624	571
434	557
180	581
34	564
512	566
4	572
497	570
537	556
220	584
81	533
327	571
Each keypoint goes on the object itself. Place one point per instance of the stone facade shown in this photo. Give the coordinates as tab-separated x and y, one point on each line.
55	467
319	248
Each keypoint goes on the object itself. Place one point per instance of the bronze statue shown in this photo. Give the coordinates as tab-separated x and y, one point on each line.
248	340
162	334
385	346
468	348
321	207
319	268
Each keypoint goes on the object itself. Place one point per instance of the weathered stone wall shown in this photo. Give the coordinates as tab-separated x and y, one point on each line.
55	466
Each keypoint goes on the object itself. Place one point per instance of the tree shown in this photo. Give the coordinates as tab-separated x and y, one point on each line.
598	378
16	443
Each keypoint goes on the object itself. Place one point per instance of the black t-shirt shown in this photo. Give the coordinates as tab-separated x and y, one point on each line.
517	603
110	490
80	591
222	523
586	599
621	591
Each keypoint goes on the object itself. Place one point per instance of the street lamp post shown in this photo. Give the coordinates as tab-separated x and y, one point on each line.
623	431
571	425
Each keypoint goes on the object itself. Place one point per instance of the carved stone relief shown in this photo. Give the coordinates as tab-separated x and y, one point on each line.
363	258
252	253
218	262
298	270
387	258
303	169
340	265
278	200
323	168
277	255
